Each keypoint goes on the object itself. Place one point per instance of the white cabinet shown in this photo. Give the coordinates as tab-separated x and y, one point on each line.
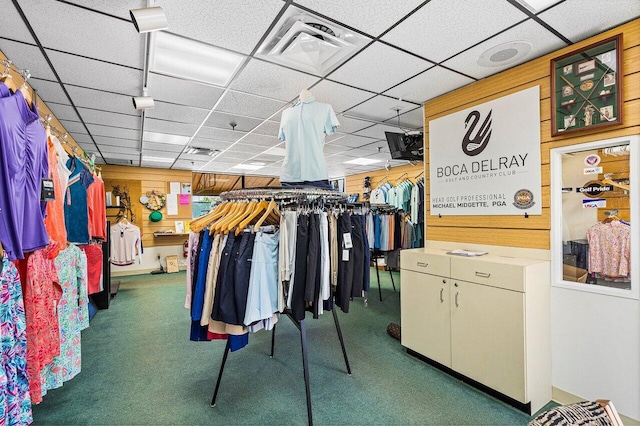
486	318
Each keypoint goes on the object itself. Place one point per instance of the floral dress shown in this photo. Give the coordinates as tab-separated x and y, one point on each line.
73	317
15	400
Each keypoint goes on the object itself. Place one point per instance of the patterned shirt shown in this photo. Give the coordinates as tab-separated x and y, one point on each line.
610	249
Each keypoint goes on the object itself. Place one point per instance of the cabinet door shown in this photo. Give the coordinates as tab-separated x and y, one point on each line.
425	309
487	336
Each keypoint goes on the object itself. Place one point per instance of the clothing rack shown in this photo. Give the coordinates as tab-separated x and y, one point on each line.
288	193
375	253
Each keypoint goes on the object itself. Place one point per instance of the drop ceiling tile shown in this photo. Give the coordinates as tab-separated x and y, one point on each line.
113	141
272	81
409	120
370	16
260	140
73	127
377	131
233	24
442	28
122	161
378	67
92	116
543	42
118	8
160	126
112	150
196	157
167	147
335	136
428	85
269	128
82	138
188	164
231	157
92	34
155	165
87	147
161	154
217	133
63	112
222	120
570	16
248	150
177	113
352	141
330	149
351	125
340	97
127	157
382	156
381	108
266	158
177	91
13	26
49	91
374	148
249	106
95	74
98	99
210	144
27	56
113	132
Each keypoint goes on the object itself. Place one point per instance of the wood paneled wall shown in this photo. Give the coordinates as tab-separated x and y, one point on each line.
353	183
151	179
517	231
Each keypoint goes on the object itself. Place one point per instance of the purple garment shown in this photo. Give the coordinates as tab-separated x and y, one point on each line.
13	140
34	234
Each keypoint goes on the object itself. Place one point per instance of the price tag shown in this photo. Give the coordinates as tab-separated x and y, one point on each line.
346	240
46	190
345	255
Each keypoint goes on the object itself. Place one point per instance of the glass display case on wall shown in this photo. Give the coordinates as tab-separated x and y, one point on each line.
594	206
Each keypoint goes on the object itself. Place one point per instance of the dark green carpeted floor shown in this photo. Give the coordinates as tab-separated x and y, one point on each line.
139	367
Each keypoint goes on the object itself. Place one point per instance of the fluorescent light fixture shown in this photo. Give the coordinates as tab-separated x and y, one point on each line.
258	163
149	19
192	60
165	138
247	167
537	5
158	159
362	161
276	151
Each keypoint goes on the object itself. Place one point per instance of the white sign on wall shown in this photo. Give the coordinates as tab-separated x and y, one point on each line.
485	160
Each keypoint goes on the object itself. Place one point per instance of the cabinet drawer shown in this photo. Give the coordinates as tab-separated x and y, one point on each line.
495	274
426	263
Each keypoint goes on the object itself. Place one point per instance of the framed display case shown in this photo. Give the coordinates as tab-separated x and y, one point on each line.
586	87
595	207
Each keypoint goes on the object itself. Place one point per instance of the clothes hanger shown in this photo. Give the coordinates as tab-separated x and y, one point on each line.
1	250
26	93
235	210
259	208
607	181
199	223
272	207
246	211
6	77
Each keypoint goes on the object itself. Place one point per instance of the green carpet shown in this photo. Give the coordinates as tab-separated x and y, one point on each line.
139	367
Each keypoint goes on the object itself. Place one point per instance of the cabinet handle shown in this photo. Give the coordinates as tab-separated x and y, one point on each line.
423	264
457	300
441	298
483	274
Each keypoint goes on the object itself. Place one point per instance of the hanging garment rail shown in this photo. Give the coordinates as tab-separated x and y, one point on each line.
281	193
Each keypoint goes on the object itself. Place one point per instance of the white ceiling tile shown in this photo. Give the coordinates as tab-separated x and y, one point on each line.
178	113
442	28
570	16
168	147
113	132
350	125
160	126
542	40
380	108
195	157
409	120
378	67
250	106
217	133
188	164
330	149
155	165
232	24
352	141
98	99
63	112
111	150
378	130
273	81
82	138
49	91
98	75
379	146
383	156
222	120
122	161
269	128
128	157
370	16
333	137
428	85
118	8
177	91
266	158
340	97
73	127
210	144
245	149
27	56
92	34
161	154
260	140
93	116
12	25
114	141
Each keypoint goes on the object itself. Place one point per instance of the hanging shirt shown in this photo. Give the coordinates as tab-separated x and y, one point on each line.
54	219
125	244
97	209
303	128
15	399
76	210
610	249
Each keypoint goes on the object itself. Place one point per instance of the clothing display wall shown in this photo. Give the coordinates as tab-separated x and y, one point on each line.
43	279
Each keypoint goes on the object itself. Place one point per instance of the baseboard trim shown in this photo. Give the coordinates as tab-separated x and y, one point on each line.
563	397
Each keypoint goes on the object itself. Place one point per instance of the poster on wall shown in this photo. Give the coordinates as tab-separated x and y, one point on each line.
485	160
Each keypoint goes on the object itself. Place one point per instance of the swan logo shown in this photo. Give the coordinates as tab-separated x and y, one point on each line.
477	144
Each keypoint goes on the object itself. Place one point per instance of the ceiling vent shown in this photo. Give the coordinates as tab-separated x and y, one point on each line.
311	44
193	150
120	161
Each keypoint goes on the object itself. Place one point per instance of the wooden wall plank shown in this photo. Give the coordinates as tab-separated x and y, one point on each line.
527	238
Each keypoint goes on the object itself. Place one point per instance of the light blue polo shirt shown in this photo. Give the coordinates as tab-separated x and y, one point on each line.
303	128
